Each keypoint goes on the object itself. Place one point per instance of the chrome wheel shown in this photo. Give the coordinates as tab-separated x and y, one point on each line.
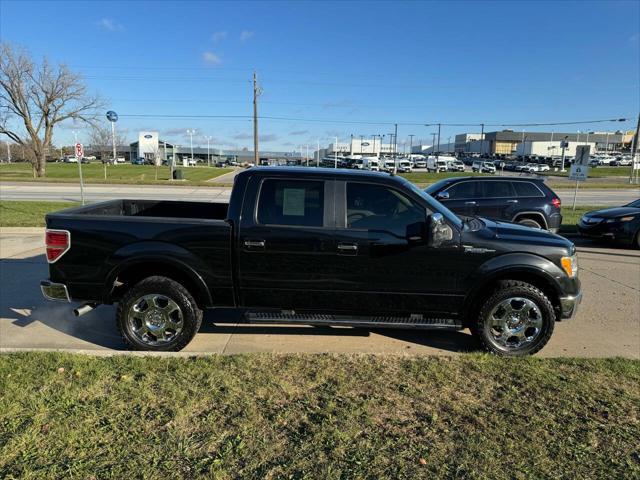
155	319
514	323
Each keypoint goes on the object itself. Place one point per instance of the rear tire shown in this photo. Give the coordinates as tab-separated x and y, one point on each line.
529	222
516	320
158	314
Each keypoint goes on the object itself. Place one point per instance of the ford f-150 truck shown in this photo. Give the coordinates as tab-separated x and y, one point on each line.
313	246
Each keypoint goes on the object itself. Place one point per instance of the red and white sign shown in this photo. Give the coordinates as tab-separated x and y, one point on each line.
79	151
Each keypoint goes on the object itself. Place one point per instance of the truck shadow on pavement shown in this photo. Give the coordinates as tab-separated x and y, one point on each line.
29	321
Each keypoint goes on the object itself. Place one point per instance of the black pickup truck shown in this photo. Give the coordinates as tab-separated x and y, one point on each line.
313	246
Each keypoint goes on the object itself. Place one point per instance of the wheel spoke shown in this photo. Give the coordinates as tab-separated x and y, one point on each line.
515	322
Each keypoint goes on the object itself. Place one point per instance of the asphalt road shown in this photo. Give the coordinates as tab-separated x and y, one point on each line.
94	193
608	323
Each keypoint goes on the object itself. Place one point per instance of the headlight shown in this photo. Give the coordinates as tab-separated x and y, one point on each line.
621	219
570	265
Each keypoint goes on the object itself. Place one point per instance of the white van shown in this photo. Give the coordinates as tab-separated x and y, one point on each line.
367	163
435	164
404	166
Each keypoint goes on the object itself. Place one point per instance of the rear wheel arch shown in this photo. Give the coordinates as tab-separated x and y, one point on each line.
130	273
536	216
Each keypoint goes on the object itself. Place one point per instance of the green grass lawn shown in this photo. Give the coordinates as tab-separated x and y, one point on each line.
317	417
570	217
28	214
94	173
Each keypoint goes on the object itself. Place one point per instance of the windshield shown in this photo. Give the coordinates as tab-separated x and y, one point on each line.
434	204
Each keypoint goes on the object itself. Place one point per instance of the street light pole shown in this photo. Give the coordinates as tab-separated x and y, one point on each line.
335	154
438	152
191	132
411	144
208	137
318	158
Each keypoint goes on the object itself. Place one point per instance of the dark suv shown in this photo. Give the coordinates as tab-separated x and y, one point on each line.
515	199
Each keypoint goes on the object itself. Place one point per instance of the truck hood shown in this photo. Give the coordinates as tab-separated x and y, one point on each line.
514	232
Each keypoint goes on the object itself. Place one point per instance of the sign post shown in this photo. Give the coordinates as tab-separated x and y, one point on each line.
580	168
79	149
113	118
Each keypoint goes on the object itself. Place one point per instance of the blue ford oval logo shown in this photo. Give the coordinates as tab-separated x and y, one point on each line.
148	136
365	144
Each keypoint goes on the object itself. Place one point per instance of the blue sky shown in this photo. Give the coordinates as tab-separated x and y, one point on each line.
411	62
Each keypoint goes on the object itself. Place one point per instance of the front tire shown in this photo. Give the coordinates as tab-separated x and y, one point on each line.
158	314
517	320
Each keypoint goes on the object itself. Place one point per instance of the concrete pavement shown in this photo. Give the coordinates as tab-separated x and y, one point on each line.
97	192
608	323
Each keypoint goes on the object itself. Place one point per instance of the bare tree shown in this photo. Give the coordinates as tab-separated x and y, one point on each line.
35	98
101	141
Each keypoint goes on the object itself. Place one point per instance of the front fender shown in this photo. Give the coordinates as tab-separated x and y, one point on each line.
520	266
163	254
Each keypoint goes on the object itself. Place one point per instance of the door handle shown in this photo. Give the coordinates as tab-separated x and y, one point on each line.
347	249
512	201
254	243
470	203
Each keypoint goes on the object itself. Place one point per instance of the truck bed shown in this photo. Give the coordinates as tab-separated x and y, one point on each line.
192	234
153	208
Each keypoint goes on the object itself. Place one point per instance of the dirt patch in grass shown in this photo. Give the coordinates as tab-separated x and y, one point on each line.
317	416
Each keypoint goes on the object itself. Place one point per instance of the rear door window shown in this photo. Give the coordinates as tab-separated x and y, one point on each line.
497	189
462	190
291	202
527	189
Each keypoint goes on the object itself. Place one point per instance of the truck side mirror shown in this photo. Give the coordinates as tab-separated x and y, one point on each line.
442	196
439	231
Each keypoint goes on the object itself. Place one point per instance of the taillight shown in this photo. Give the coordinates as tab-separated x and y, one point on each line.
57	243
556	202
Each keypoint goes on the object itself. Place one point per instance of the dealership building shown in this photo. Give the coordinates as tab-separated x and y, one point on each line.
509	142
153	149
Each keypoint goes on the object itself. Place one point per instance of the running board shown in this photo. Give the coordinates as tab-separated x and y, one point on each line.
413	321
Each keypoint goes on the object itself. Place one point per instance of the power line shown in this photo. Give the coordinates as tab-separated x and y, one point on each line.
361	122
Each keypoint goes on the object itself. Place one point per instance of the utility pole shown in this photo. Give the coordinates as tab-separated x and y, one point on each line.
635	161
307	157
318	158
411	144
438	152
8	152
481	139
256	92
564	145
395	150
361	138
335	154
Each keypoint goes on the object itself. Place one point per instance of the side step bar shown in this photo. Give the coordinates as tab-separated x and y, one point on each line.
413	321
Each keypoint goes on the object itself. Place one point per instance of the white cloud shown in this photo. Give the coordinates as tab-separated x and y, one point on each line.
218	36
110	25
246	35
211	58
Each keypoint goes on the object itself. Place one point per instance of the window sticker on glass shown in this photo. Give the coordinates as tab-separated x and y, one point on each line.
293	202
